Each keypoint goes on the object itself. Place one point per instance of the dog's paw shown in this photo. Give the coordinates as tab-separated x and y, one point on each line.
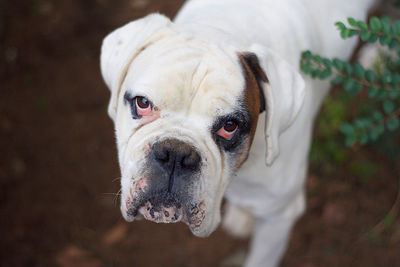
237	221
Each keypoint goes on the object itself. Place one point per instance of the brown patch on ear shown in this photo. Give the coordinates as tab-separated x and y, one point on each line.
251	60
253	96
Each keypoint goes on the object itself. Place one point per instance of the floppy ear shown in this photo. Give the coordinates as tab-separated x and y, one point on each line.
284	91
120	48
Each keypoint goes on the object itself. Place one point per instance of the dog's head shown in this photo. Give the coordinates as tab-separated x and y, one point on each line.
185	113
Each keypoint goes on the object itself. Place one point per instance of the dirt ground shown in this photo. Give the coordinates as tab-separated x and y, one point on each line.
59	171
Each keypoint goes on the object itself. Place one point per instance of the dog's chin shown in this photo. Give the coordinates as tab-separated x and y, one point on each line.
206	228
194	217
203	229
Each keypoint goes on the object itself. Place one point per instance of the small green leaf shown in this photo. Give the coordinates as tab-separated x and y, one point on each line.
307	55
345	33
338	64
385	24
352	22
348	69
372	91
385	39
375	24
388	106
347	128
374	37
307	67
365	35
327	63
396	28
348	83
325	74
370	75
358	71
337	80
353	32
340	25
393	123
362	25
350	139
317	59
356	88
315	73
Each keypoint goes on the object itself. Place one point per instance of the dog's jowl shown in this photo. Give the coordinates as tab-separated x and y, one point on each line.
213	105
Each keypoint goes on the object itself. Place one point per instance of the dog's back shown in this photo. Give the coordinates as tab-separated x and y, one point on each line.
306	25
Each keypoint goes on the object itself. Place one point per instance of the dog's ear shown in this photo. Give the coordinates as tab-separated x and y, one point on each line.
120	48
284	91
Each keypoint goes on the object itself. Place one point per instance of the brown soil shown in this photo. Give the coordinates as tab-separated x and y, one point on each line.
59	170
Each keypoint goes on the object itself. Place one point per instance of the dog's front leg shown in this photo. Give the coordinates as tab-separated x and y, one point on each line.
269	242
270	236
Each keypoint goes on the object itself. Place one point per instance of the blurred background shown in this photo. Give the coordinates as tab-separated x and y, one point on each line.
59	173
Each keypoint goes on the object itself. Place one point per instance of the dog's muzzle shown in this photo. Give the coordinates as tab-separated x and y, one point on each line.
171	175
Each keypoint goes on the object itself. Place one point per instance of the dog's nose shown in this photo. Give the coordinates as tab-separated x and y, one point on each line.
176	156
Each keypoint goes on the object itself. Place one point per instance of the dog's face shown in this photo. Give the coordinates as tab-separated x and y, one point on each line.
185	113
185	119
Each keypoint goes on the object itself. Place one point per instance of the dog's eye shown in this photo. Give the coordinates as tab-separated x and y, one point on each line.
228	130
143	106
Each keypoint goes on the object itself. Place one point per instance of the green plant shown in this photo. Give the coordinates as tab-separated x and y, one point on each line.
327	151
380	84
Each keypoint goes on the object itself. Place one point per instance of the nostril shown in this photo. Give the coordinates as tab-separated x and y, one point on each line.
191	161
165	155
162	154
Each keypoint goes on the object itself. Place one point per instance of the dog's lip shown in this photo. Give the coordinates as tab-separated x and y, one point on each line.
144	207
162	214
192	217
131	210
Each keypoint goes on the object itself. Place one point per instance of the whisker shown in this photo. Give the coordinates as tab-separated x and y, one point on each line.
116	179
117	196
118	193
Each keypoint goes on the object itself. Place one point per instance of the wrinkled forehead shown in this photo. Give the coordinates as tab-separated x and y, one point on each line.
187	76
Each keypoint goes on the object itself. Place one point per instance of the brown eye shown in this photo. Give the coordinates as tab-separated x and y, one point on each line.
230	126
143	107
228	130
142	102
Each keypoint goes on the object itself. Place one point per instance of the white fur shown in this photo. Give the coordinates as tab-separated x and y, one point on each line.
203	79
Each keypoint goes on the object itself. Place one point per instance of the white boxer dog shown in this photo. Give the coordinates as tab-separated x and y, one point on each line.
213	105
